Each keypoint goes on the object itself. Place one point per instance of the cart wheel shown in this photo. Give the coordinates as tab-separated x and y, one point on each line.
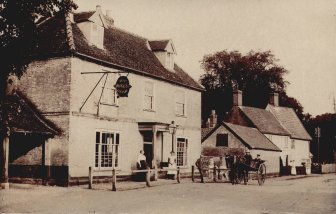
261	174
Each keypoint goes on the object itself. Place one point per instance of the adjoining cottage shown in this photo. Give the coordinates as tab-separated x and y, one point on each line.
249	139
71	82
280	125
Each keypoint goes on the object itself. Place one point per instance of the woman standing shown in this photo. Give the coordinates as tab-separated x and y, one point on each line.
171	166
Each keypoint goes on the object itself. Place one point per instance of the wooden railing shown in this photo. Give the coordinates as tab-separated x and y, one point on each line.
147	171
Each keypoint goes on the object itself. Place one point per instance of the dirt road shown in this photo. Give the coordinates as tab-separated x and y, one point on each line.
316	194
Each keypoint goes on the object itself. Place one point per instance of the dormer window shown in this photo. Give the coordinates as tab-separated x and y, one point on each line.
93	24
97	35
164	50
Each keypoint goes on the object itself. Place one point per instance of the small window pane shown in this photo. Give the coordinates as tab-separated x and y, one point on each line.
222	140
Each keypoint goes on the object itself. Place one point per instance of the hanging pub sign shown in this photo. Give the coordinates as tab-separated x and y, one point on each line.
122	86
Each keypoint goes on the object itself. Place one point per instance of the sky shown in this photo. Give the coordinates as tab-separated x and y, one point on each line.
300	33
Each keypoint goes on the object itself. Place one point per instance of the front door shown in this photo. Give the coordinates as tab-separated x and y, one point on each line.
148	149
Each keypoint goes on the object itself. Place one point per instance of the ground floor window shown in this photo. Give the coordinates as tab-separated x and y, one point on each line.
182	151
107	144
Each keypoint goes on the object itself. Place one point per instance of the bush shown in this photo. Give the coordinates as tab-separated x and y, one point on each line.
222	151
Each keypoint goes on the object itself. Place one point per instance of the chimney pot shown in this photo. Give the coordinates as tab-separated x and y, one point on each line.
237	98
274	99
213	119
98	7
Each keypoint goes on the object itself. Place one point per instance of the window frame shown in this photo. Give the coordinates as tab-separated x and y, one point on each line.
98	165
97	35
110	82
184	152
150	96
227	139
184	104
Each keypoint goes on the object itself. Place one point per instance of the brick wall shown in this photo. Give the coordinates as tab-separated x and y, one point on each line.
46	84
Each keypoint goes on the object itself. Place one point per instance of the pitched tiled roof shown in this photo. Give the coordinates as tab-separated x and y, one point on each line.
290	121
158	45
122	50
205	132
83	16
252	137
264	120
52	38
22	118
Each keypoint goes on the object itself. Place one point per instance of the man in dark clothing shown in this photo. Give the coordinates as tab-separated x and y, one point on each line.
248	158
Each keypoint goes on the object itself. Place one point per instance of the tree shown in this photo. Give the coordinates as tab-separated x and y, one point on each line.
327	124
18	29
255	73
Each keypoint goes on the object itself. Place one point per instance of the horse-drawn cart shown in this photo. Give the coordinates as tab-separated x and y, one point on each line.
232	168
241	171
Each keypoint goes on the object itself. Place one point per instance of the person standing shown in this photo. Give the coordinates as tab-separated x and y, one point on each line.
171	166
142	164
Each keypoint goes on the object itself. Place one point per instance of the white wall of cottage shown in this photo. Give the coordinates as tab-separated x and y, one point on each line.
301	153
124	117
283	142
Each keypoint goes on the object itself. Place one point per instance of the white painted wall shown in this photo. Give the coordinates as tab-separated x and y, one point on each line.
284	143
301	153
125	117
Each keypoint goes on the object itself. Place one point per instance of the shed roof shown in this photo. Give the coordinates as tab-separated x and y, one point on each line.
23	118
252	137
290	121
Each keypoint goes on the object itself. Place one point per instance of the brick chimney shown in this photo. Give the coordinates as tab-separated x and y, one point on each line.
274	99
213	119
237	98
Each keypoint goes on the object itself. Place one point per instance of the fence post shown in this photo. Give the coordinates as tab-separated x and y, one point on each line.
114	180
193	173
214	174
148	177
156	175
178	175
90	177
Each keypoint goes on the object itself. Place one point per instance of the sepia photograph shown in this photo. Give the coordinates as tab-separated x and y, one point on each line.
157	106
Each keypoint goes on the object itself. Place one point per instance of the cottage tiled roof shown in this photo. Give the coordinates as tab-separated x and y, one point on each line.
264	120
158	45
290	121
205	132
22	118
122	49
252	137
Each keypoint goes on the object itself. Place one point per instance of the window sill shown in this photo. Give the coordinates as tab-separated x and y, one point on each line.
107	169
149	110
106	104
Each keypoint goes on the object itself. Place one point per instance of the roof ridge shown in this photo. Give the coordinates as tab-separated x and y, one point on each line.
69	34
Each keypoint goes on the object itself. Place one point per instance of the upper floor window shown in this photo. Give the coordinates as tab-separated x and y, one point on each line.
293	144
286	142
149	96
109	96
107	148
222	140
97	35
182	151
180	103
170	61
